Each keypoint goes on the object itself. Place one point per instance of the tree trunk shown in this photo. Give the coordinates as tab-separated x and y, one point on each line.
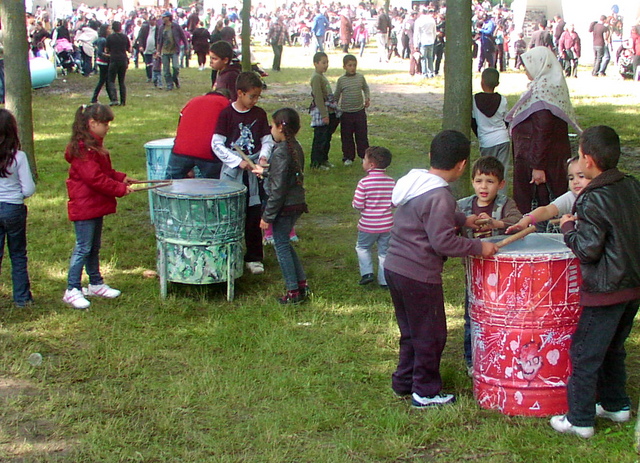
17	75
457	81
246	35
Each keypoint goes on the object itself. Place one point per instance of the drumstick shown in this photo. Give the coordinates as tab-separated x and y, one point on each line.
515	237
244	156
483	221
151	187
554	222
135	182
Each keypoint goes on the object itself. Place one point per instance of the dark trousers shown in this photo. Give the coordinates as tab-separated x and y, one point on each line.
117	69
13	227
353	131
597	355
253	234
1	81
438	53
179	166
420	315
322	141
102	80
87	63
277	56
148	64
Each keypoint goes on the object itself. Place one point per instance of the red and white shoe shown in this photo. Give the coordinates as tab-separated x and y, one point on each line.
75	299
101	291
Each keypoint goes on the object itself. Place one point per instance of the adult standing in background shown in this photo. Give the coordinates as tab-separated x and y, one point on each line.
146	44
424	38
169	37
102	60
487	43
635	43
117	47
277	36
569	51
85	38
382	36
319	27
1	67
200	40
346	29
599	30
542	37
539	126
558	29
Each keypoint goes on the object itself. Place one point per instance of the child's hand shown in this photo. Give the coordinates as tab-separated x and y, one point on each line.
244	165
367	102
129	181
129	191
488	248
521	225
567	218
263	161
264	225
325	120
470	222
258	170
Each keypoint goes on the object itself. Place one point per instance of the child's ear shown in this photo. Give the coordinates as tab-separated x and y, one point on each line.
502	184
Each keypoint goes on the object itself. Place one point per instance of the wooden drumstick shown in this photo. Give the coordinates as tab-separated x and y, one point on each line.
483	221
135	182
515	237
244	157
152	187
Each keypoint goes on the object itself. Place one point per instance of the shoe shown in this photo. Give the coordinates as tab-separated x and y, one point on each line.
256	268
268	240
76	299
366	279
433	401
621	416
292	297
176	82
561	424
24	304
102	291
326	164
348	162
148	81
114	103
294	239
305	291
470	371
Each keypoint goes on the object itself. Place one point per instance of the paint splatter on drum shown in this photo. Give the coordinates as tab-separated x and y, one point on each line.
199	229
524	307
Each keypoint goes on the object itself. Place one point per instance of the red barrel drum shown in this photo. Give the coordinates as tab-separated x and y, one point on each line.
524	307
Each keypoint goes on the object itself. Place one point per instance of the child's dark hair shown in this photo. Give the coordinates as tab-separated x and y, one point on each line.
488	165
289	120
448	148
603	145
80	132
490	77
348	58
318	56
379	156
9	141
116	26
222	49
247	81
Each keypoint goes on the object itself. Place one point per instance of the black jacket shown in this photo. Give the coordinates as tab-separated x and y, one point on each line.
606	239
284	182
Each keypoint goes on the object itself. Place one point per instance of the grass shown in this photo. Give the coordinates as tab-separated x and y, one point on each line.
196	378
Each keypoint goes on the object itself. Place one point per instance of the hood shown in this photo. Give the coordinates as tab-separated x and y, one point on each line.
415	183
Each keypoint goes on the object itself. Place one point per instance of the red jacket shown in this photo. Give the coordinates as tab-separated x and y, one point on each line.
92	185
198	120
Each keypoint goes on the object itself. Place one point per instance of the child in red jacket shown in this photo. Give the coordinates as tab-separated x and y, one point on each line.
93	186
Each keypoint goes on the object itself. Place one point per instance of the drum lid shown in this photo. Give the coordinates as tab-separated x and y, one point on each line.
201	187
534	244
162	143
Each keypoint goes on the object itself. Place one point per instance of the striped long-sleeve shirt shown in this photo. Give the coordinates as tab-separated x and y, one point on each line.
351	92
373	199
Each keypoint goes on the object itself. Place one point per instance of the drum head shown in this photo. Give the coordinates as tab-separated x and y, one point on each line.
534	244
162	143
201	188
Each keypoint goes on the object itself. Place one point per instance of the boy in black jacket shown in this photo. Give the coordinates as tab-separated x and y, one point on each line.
604	236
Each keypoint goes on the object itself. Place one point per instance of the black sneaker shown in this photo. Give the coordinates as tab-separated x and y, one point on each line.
366	279
305	292
433	401
176	82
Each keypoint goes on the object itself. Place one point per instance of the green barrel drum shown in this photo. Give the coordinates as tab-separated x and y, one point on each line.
199	231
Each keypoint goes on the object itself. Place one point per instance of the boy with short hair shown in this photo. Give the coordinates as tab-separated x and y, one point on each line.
244	126
487	176
221	60
324	117
487	120
373	199
424	233
604	236
352	92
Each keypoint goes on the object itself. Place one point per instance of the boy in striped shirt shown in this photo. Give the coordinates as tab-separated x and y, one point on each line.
352	92
373	199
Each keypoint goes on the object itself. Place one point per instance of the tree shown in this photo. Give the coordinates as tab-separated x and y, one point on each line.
246	35
17	75
457	82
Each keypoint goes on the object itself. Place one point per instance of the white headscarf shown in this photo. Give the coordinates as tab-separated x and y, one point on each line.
547	90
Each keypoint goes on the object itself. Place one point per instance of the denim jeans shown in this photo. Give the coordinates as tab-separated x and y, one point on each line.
427	60
598	54
171	62
86	253
179	165
290	265
606	57
13	226
364	247
597	354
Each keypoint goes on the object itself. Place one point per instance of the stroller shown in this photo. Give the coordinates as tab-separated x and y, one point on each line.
65	57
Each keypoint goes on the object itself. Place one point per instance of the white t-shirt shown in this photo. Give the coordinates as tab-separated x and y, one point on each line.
565	203
19	183
492	131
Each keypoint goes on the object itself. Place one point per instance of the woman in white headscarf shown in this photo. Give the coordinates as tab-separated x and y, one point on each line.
539	126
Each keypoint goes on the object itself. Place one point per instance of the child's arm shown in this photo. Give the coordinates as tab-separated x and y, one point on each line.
510	216
227	156
540	214
359	197
366	92
27	186
317	91
91	173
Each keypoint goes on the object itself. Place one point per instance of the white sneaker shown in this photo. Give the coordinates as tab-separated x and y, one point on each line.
348	162
561	424
621	416
75	298
102	291
433	401
255	268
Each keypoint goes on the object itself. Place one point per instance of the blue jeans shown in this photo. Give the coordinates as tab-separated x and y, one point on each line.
364	247
180	165
427	60
13	225
171	62
597	354
290	265
86	253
